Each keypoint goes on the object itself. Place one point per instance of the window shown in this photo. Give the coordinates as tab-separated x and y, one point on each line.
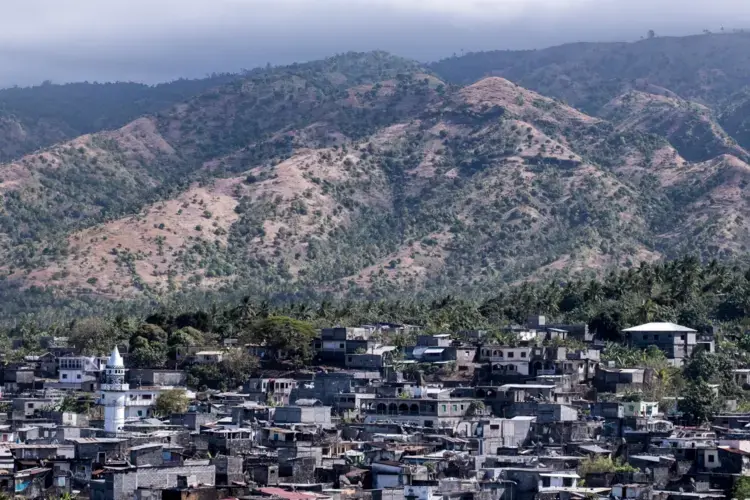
511	354
341	346
140	413
682	337
29	405
65	375
523	354
147	396
455	407
445	408
462	407
645	337
711	459
78	376
495	427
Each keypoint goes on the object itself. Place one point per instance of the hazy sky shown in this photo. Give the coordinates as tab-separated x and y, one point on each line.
157	40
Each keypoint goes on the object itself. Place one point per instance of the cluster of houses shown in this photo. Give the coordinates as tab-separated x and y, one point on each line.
453	416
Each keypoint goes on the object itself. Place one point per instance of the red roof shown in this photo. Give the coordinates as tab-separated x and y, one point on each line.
289	495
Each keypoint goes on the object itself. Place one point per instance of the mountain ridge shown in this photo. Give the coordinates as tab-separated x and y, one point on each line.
367	175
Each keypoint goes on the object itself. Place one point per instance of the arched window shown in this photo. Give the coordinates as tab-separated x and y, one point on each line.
392	409
414	409
381	408
403	409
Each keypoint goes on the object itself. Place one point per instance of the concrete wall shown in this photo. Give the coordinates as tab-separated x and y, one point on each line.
364	361
157	377
124	485
303	414
324	387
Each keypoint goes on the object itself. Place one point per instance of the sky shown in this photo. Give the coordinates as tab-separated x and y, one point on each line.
160	40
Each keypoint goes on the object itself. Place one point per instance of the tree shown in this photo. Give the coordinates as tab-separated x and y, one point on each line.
72	404
289	338
206	376
171	401
703	365
699	403
148	347
741	488
651	34
237	366
94	336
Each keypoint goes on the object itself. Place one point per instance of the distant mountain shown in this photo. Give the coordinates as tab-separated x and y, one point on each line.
703	68
366	174
36	117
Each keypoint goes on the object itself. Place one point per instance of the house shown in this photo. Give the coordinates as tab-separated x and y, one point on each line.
424	412
440	340
140	401
208	357
507	361
327	386
275	390
353	404
619	379
79	373
641	409
425	354
677	342
373	358
319	415
335	343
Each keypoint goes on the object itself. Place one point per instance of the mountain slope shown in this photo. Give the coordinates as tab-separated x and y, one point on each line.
463	183
688	126
364	174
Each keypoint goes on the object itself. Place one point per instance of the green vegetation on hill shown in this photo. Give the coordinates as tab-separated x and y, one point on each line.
707	68
364	175
36	117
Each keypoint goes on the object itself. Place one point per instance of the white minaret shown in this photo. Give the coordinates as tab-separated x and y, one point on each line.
114	393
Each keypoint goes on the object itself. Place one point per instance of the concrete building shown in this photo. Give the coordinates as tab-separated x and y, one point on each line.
677	342
425	412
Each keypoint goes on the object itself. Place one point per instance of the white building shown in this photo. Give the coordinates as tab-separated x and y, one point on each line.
123	403
114	393
75	371
140	401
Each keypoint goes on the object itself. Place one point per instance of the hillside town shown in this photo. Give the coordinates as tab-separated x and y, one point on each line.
452	416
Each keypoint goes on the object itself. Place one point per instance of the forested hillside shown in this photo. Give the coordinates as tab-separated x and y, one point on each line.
367	175
37	117
706	68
